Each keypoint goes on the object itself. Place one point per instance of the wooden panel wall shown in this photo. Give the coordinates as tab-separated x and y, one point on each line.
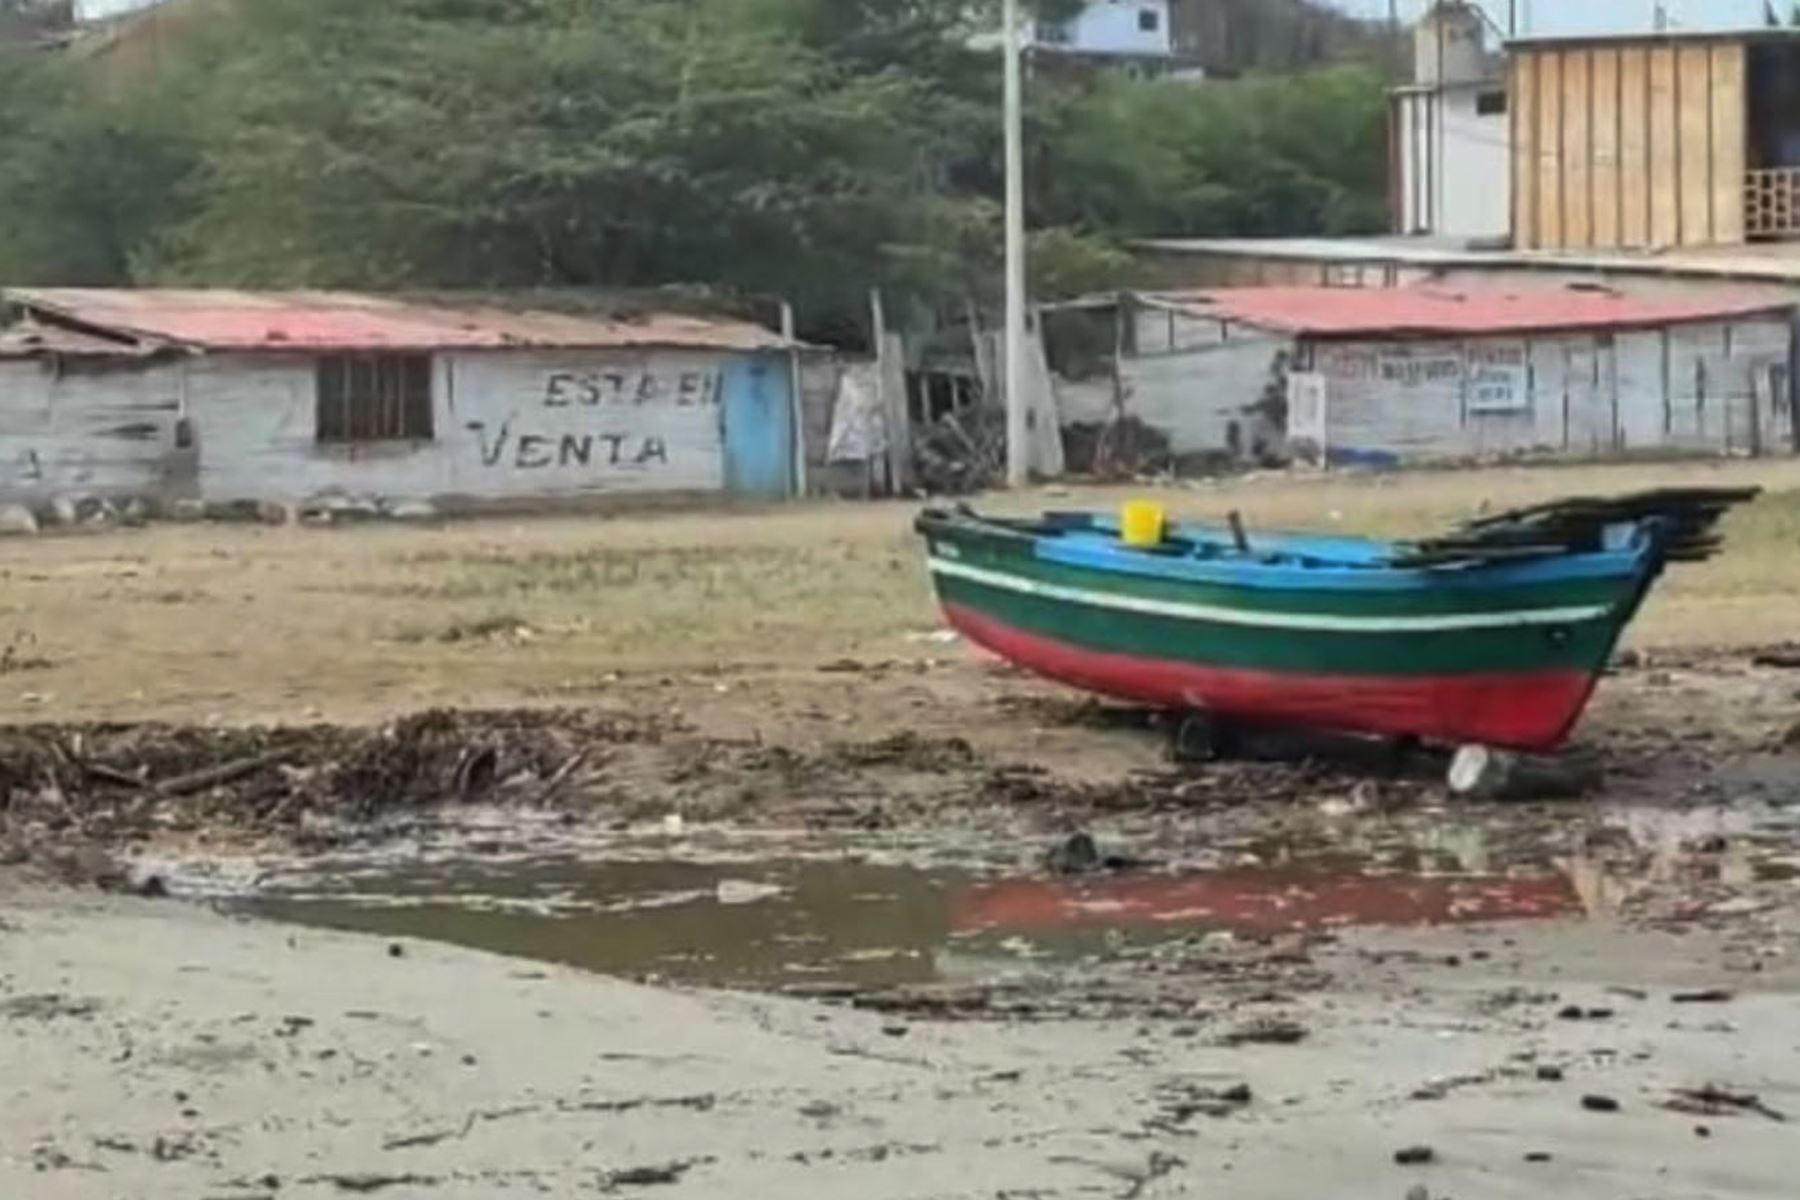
1634	146
1730	135
1628	146
1607	198
1521	108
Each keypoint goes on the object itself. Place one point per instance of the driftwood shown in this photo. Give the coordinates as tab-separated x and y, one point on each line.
199	781
555	783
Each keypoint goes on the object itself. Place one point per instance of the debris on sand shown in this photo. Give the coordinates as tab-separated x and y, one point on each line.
1266	1031
1704	996
1600	1104
1181	1101
80	785
365	1182
1714	1101
649	1176
1414	1156
1781	658
1077	854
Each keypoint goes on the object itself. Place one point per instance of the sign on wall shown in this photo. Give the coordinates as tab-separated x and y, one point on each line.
1499	379
1493	376
536	422
1306	415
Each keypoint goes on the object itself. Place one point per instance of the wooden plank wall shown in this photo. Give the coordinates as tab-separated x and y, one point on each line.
1628	146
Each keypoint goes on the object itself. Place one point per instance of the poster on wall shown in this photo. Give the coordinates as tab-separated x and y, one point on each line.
1306	416
1498	378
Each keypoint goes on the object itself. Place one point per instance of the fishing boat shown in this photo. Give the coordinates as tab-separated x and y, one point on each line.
1492	636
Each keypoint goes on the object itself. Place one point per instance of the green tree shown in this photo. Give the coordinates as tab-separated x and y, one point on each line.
806	148
1263	156
522	142
83	181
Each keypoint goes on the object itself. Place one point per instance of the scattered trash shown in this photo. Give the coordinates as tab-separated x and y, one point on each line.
1713	1101
649	1176
961	453
1077	854
1181	1102
1705	996
1786	658
1266	1031
364	1182
1413	1156
1605	1104
744	891
1550	1074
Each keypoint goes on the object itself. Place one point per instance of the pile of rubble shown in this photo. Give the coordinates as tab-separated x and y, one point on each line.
961	454
64	784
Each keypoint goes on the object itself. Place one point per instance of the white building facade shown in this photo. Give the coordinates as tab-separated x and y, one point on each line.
1110	28
103	10
1450	134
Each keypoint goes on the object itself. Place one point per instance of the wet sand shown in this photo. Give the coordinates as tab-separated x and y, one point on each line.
165	1051
775	672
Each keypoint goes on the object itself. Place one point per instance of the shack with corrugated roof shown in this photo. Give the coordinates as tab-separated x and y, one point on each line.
1395	375
225	396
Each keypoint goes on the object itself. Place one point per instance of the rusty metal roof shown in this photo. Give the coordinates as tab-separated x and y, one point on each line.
275	322
1425	312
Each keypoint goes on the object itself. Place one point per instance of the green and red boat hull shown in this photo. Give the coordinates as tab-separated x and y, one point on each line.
1504	657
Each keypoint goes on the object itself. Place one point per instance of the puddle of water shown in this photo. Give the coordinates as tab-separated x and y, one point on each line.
1263	902
730	908
780	922
683	921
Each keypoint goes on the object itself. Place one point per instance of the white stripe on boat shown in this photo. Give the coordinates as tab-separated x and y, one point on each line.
1263	619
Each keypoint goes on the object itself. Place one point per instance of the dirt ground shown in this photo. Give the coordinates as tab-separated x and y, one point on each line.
233	625
206	693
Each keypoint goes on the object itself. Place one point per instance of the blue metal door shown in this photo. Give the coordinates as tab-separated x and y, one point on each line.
759	425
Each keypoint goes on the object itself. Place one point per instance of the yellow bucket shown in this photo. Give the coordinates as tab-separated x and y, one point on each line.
1142	523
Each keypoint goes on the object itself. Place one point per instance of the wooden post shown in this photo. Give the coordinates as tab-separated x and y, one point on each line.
797	480
1018	455
890	357
984	358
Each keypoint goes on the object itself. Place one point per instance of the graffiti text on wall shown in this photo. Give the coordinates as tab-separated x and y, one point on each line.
608	389
536	451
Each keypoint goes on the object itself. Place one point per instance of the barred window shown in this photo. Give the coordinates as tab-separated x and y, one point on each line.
374	398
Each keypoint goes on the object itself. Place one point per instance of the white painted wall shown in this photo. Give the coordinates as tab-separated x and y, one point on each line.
507	424
1196	379
92	433
1709	387
1453	177
100	10
1113	27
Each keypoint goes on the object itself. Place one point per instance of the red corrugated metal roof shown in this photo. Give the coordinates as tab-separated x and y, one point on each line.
342	321
1424	312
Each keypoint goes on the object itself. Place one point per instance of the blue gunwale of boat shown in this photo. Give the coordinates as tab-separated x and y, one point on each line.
1304	562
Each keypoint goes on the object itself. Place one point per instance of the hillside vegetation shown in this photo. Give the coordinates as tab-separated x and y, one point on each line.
806	148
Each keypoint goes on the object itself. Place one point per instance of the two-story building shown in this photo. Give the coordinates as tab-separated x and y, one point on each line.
1449	132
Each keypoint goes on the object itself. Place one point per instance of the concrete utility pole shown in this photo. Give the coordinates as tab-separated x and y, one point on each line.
1018	426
